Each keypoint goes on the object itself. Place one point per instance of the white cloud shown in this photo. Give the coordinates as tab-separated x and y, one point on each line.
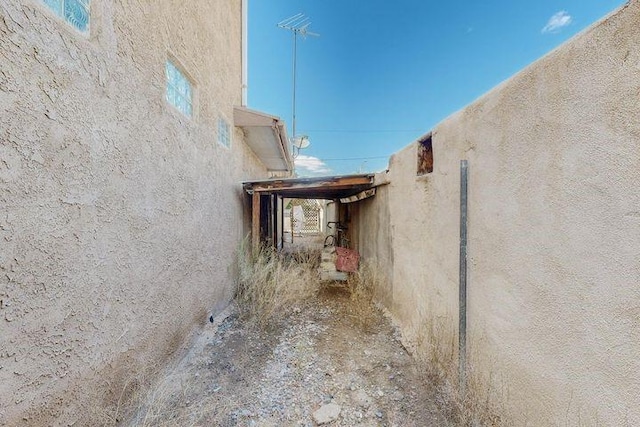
558	21
311	165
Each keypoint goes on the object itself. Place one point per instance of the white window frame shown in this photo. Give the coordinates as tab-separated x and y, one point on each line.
225	132
61	10
179	88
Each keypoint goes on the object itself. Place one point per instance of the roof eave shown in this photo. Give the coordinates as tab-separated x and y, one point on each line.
256	123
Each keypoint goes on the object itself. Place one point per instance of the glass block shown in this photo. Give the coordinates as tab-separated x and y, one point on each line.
56	5
179	92
76	12
170	71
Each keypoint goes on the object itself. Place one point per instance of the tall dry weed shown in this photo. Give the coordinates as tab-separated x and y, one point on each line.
435	344
270	285
174	401
363	286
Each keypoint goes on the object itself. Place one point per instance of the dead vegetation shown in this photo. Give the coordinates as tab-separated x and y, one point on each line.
254	369
210	388
434	343
271	284
362	287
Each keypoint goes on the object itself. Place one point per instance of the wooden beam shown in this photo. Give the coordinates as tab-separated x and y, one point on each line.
327	184
255	222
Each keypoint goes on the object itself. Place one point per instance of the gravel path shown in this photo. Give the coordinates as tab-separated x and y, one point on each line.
316	367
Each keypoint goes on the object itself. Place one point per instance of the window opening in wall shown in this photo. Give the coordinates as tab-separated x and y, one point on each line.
75	12
224	132
425	156
179	92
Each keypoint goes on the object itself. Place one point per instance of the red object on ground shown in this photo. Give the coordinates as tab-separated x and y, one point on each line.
347	260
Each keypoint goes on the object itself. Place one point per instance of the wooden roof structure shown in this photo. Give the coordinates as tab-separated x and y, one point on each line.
326	187
345	188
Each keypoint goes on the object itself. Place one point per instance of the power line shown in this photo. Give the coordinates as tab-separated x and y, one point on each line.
352	158
364	131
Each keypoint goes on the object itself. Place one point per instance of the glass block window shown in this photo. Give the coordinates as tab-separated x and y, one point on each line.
179	92
75	12
224	132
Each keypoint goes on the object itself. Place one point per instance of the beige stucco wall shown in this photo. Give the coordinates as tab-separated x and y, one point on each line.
554	234
372	234
119	216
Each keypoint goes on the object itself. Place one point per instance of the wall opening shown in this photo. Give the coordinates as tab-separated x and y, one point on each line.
425	156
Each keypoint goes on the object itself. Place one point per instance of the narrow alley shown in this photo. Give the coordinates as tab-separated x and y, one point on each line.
445	233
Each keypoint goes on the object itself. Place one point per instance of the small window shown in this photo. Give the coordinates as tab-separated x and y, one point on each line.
75	12
179	92
425	156
224	132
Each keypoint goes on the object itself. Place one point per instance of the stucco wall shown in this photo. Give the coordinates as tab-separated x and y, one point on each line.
119	216
554	233
372	235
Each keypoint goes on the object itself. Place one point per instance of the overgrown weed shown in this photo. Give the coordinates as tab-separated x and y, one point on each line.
435	345
170	402
271	285
363	286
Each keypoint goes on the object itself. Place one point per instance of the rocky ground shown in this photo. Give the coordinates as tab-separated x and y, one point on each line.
321	365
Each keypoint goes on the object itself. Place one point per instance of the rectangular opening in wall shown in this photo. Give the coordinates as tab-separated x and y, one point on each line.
425	155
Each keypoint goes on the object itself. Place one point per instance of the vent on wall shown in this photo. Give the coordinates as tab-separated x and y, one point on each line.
425	155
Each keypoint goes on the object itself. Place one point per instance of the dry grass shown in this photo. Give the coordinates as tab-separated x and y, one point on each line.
435	344
363	286
172	402
270	285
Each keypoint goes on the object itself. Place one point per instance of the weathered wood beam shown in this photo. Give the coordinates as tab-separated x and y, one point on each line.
341	183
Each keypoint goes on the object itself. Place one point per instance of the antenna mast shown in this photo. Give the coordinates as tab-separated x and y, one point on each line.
297	24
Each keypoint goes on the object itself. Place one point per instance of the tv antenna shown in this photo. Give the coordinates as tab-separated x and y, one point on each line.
299	25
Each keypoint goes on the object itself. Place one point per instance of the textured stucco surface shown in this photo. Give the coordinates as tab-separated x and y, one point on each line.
554	233
119	216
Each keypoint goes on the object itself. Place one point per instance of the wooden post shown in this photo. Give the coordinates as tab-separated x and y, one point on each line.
255	222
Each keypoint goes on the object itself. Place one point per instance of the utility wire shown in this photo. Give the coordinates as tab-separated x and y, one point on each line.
363	130
354	158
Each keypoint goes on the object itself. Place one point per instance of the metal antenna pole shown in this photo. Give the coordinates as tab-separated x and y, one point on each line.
297	24
295	55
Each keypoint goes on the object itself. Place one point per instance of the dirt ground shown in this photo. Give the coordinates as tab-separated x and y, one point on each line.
319	358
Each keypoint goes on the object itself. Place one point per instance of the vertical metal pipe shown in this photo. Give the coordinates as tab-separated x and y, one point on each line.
462	312
245	55
295	60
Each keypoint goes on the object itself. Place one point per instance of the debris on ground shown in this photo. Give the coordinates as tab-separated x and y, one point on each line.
315	367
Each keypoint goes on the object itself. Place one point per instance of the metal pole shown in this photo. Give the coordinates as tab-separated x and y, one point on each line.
462	312
295	50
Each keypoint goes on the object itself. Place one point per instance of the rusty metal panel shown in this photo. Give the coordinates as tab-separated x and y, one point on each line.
347	260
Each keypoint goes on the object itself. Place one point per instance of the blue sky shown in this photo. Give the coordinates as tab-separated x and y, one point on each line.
383	73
